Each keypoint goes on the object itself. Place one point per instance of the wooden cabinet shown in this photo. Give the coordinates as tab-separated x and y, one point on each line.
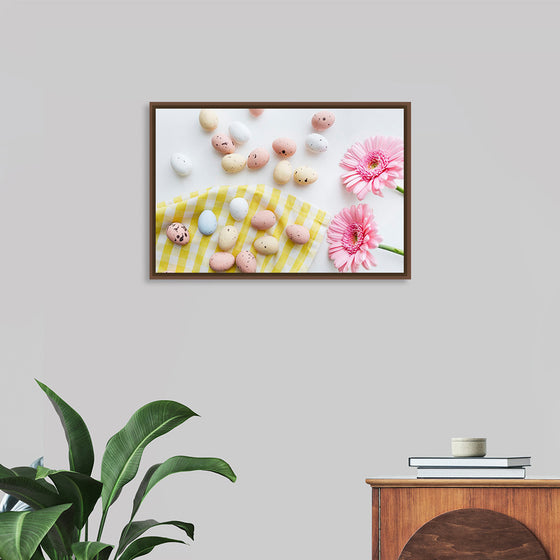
506	519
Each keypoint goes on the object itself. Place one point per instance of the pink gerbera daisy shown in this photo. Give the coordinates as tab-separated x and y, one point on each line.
372	165
352	235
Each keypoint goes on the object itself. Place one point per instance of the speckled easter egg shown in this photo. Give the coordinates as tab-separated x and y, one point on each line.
228	238
239	133
257	158
246	262
282	172
223	144
256	112
178	233
208	119
284	147
305	175
298	234
322	120
233	163
266	245
238	208
207	222
220	262
316	143
262	220
181	164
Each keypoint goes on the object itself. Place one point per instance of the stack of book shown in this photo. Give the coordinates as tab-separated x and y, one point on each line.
470	467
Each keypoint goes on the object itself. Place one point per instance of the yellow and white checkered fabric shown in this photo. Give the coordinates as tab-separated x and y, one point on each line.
195	256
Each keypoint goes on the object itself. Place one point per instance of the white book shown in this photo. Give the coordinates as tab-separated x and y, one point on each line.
492	472
469	461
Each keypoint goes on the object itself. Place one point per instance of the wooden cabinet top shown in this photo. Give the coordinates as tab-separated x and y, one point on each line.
463	482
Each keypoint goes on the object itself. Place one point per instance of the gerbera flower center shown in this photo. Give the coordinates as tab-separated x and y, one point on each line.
353	238
373	165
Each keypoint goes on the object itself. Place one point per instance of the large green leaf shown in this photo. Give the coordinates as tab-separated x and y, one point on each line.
80	448
90	549
29	491
22	532
132	531
5	472
39	497
31	473
178	464
79	489
143	546
124	450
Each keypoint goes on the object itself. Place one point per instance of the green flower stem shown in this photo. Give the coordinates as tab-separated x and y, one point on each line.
400	189
102	524
391	249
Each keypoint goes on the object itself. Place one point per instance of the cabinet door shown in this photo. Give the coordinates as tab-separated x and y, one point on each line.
403	511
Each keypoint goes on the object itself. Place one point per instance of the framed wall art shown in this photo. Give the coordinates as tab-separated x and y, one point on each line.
291	190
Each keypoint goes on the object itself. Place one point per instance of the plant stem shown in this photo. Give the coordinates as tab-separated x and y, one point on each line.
400	189
101	525
391	249
86	530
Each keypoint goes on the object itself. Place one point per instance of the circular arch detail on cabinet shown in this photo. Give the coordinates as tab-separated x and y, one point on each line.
473	534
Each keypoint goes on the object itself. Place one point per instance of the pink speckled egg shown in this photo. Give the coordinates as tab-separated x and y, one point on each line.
257	158
246	262
264	219
322	120
220	262
178	233
284	147
223	144
298	234
256	112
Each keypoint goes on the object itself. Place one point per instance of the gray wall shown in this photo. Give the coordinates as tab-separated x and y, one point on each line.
385	369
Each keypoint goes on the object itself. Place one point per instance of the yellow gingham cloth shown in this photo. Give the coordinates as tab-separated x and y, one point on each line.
194	256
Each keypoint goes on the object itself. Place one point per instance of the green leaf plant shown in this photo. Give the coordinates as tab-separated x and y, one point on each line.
54	506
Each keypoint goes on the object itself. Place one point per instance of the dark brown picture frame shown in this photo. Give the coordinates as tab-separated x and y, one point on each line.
405	275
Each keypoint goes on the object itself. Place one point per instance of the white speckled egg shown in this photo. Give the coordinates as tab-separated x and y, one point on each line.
181	164
264	219
233	163
223	144
316	143
178	233
207	222
305	175
282	172
322	120
228	238
220	262
238	208
239	132
266	245
208	119
298	234
246	262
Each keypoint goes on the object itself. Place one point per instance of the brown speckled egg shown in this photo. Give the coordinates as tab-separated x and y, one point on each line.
256	112
298	234
178	233
322	120
284	147
257	158
262	220
220	262
223	144
246	262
